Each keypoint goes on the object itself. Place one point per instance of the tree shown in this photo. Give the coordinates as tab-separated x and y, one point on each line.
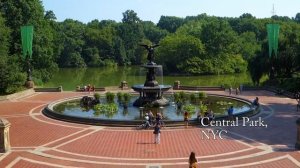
73	43
258	68
218	37
4	38
20	13
11	78
287	61
50	15
91	56
249	45
131	32
193	28
120	52
153	33
101	35
130	17
247	15
170	23
297	18
175	50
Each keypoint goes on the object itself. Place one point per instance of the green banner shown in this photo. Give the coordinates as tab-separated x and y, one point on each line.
27	37
273	33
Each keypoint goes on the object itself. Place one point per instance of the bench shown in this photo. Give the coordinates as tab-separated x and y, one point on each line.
97	89
54	89
198	88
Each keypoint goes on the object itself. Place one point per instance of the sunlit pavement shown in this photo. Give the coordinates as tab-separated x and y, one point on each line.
38	141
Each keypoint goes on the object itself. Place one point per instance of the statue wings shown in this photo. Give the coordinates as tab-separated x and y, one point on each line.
144	45
155	45
149	46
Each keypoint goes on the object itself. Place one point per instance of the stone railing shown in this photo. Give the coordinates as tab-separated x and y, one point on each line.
199	88
97	89
53	89
177	86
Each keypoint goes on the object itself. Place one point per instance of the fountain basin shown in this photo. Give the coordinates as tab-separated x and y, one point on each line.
69	110
151	95
159	88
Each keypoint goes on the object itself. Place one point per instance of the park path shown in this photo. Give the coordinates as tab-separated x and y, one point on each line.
38	141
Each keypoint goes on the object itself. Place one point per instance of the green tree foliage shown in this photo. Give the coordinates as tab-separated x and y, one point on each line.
218	53
100	43
260	64
249	46
72	33
4	37
20	13
170	23
153	33
297	18
218	37
193	45
193	28
10	78
131	32
287	62
175	50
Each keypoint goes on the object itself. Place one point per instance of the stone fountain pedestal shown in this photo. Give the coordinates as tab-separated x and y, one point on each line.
297	145
4	135
151	92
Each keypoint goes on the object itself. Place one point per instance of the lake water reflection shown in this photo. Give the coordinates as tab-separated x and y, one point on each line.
69	78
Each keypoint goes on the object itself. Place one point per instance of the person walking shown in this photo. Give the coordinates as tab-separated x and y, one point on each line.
237	91
186	119
156	133
241	88
193	163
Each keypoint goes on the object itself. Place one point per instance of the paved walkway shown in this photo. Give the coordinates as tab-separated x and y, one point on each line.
38	141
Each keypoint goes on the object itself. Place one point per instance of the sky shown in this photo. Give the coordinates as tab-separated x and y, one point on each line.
88	10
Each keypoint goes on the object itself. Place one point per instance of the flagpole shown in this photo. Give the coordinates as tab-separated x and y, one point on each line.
27	38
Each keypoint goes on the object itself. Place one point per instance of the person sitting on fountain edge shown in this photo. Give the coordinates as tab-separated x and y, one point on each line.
256	102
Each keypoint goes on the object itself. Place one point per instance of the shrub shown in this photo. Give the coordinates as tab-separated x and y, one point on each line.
203	108
182	96
120	96
110	97
192	97
202	95
127	97
97	96
176	97
190	109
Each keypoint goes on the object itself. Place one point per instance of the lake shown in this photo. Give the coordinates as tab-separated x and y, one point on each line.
69	78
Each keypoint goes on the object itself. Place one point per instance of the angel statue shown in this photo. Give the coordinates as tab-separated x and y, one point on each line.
150	49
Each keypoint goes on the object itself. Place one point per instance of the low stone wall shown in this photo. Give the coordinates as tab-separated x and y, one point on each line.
97	89
275	90
54	89
17	95
199	88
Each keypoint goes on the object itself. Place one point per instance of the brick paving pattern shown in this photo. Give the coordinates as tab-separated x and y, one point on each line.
38	141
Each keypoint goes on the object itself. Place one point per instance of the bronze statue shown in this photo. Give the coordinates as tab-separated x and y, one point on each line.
150	49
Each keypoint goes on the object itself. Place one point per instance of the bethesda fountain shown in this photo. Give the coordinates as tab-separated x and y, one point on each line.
151	92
